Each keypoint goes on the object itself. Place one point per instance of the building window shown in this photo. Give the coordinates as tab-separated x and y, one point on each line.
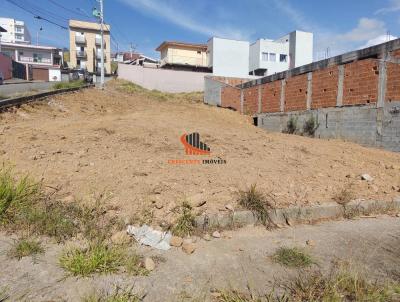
37	58
283	58
265	56
18	29
199	52
272	57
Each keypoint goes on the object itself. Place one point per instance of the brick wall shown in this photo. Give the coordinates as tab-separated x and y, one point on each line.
230	98
395	54
296	93
325	87
250	100
271	97
361	82
393	82
231	81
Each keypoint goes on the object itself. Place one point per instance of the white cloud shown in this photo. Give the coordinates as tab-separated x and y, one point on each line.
393	7
174	14
295	15
366	29
378	40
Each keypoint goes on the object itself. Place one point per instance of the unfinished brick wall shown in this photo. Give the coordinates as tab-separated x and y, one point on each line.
296	93
230	98
231	81
392	82
271	97
361	82
250	100
395	54
325	87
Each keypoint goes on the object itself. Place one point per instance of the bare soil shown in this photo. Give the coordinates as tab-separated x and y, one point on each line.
120	143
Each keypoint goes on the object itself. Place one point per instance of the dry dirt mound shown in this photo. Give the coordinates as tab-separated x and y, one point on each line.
120	142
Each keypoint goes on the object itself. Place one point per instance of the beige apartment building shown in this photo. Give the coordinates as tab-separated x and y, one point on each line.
85	46
180	54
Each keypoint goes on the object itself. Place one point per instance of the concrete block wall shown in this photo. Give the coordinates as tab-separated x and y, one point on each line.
366	125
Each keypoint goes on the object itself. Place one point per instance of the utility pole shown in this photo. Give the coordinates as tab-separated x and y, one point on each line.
102	43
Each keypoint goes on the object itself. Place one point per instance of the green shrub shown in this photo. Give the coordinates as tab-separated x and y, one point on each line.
310	126
291	126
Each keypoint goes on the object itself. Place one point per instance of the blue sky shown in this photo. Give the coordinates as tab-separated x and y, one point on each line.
339	25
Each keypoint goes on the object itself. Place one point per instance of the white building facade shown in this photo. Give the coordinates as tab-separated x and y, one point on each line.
232	58
17	32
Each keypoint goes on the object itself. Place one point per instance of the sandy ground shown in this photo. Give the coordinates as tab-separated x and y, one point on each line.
117	143
238	260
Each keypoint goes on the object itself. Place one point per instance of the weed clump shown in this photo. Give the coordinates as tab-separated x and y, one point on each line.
292	257
118	295
310	126
100	258
25	247
185	223
291	126
72	84
255	201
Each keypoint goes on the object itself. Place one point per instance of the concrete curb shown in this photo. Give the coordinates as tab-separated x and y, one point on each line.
298	215
34	97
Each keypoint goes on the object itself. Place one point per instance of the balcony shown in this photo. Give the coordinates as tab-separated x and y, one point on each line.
81	54
98	55
80	39
38	60
98	41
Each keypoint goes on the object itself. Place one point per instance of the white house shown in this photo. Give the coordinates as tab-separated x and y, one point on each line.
17	32
232	58
228	58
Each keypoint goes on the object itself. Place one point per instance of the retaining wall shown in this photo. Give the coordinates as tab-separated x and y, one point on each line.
162	79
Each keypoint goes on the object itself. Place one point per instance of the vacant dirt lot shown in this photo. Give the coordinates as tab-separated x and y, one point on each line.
119	143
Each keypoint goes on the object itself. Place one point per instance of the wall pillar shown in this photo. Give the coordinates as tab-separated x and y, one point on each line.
241	100
309	90
283	86
382	79
339	98
259	98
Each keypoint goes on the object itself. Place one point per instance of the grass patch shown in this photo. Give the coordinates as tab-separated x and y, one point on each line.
339	285
132	88
185	223
100	258
24	206
292	257
25	247
257	202
15	193
119	295
65	85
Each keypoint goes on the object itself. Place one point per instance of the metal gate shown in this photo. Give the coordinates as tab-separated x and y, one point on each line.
18	70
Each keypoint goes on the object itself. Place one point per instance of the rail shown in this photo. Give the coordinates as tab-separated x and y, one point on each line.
7	103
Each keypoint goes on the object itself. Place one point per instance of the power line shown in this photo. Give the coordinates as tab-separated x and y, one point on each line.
36	15
66	8
44	11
